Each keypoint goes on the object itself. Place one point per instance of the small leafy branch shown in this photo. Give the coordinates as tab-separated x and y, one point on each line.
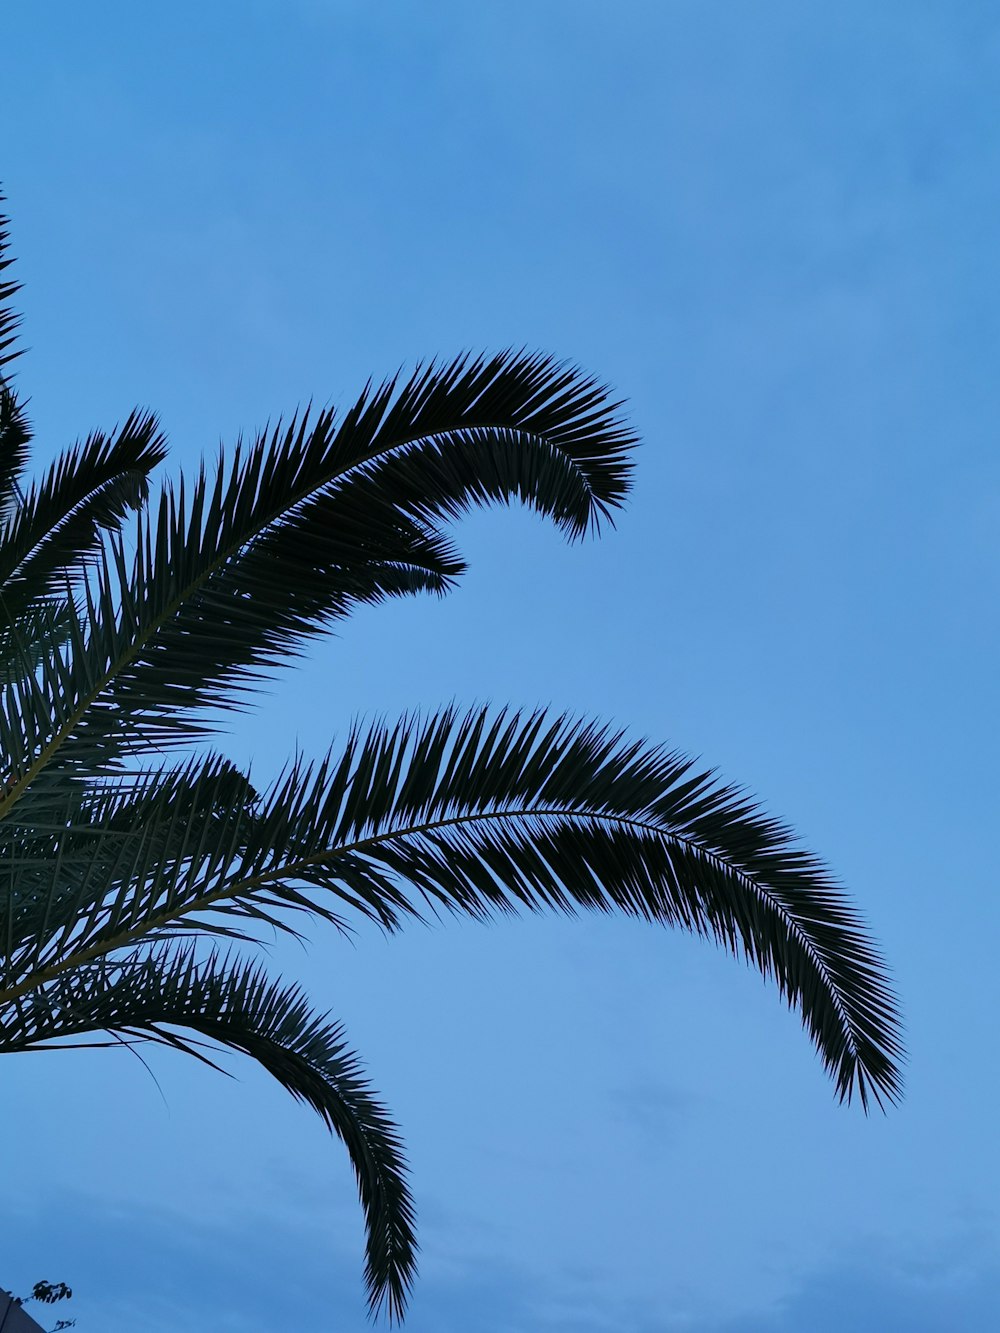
48	1293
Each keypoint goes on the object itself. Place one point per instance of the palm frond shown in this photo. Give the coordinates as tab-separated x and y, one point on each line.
27	641
151	993
46	542
310	521
82	862
491	813
9	319
15	439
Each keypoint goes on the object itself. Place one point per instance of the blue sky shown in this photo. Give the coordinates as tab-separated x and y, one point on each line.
773	229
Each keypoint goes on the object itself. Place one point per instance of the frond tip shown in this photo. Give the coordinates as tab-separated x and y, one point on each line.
493	812
149	994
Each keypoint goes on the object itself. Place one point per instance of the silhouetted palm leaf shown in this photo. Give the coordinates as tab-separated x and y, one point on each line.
148	994
9	319
47	539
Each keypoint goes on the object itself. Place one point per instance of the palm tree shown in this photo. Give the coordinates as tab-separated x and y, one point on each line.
134	885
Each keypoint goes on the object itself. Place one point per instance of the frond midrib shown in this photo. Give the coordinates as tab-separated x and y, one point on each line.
254	882
65	519
16	790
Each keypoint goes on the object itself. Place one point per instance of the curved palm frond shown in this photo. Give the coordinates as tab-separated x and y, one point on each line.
310	521
61	523
148	994
491	813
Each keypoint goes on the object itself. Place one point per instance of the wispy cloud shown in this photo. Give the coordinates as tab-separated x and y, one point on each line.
653	1109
